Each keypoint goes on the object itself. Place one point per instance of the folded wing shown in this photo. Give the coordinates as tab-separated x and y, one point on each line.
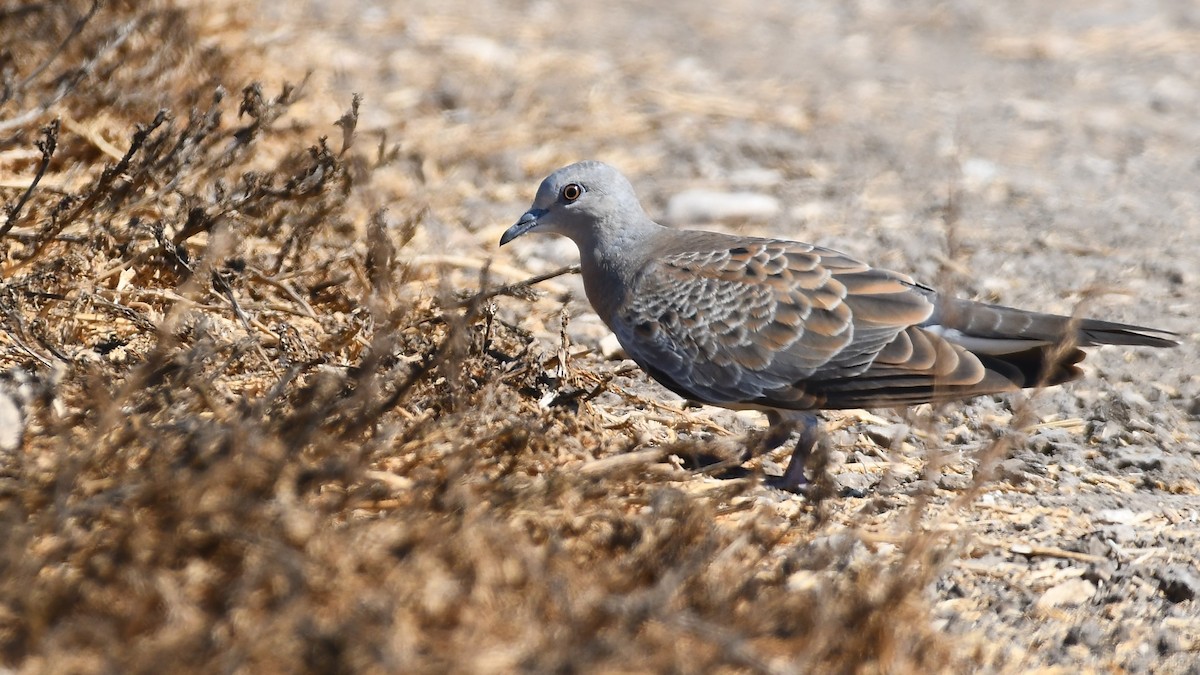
766	323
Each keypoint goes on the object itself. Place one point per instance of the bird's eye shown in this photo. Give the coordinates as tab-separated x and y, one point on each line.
571	192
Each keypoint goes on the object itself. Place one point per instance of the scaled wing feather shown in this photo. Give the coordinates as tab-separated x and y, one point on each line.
734	320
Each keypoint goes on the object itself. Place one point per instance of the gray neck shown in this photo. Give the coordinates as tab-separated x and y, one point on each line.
611	259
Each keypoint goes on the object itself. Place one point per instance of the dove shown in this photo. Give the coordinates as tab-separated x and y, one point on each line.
790	328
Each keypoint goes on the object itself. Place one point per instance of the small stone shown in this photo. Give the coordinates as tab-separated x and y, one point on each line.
923	487
1013	471
1134	399
482	49
12	424
706	206
1087	634
840	548
15	392
852	483
1179	583
1049	441
842	438
610	348
1172	89
1116	516
885	436
804	580
1168	642
756	177
1071	593
1101	572
979	172
1120	534
1106	432
955	482
1194	407
1139	457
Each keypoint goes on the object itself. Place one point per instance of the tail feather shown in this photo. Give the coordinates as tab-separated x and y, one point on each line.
966	349
974	323
1037	367
885	388
1097	332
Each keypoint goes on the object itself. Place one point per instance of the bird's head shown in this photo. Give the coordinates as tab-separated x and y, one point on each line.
578	201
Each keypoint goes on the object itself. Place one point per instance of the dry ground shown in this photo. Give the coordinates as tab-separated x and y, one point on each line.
279	419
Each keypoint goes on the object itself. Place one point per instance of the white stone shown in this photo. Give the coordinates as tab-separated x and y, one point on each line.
693	206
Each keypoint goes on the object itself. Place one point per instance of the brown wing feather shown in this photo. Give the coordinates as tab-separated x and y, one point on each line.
916	367
737	321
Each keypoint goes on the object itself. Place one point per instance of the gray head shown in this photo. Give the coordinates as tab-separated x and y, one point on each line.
578	200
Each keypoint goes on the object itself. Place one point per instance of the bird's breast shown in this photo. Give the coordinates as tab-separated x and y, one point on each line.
605	289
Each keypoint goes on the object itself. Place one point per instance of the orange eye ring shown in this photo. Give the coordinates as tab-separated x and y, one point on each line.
571	192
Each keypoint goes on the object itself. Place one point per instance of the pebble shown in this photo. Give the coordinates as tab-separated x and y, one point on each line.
1116	516
1173	89
853	483
1179	583
1139	457
756	177
922	487
1048	440
842	548
15	392
1069	593
1013	471
693	206
12	424
841	438
978	172
482	49
804	580
610	348
1134	399
1087	633
956	482
1106	432
885	436
1119	534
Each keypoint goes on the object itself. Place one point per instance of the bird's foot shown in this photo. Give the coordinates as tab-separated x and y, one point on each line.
783	483
793	478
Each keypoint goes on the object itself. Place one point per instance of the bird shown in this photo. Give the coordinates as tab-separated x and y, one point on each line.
790	328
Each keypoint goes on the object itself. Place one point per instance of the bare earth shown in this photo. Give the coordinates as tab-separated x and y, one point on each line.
316	442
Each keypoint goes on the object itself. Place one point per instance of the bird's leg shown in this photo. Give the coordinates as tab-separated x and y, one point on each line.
793	479
779	430
782	426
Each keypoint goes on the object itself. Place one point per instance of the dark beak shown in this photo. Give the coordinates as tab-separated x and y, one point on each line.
525	224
